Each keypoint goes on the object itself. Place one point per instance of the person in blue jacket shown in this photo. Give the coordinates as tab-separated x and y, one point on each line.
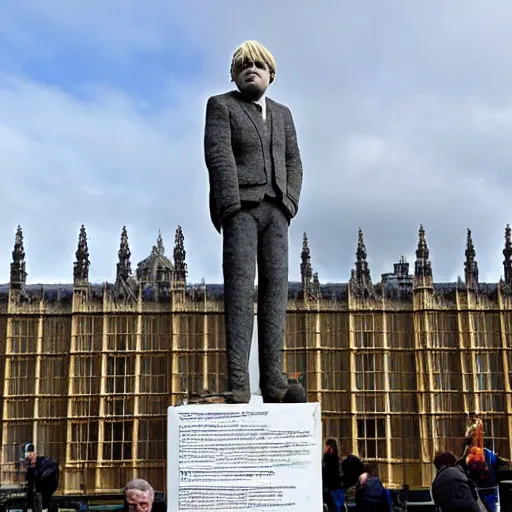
481	464
371	495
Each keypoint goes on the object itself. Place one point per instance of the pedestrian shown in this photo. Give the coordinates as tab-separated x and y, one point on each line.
42	479
451	489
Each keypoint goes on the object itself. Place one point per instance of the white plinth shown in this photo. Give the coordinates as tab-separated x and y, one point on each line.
262	458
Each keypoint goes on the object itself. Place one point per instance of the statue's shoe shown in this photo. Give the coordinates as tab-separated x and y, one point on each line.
293	394
210	398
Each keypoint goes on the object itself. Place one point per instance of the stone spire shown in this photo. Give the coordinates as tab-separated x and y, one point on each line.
81	265
18	273
362	269
179	255
159	247
361	281
306	271
470	265
422	268
507	252
124	268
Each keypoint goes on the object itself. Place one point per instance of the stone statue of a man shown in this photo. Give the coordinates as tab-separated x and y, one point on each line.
255	174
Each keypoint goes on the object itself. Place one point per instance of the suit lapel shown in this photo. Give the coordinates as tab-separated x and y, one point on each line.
253	115
276	118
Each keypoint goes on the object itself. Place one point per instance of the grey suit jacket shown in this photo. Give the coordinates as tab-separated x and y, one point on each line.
235	155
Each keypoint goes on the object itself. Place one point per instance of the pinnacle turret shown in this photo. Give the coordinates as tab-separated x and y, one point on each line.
422	267
306	271
180	265
82	263
470	265
507	253
362	269
361	281
124	268
18	273
159	247
309	279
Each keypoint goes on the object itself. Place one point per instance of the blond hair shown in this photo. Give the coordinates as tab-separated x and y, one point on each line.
252	51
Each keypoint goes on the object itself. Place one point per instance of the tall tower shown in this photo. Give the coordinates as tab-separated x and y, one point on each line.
180	265
310	284
422	268
360	281
124	268
125	287
471	265
507	252
18	273
306	271
82	263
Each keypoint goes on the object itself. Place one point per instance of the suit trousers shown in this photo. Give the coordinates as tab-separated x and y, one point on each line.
253	234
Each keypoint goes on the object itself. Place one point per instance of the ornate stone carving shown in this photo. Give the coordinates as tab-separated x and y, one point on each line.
422	267
360	281
470	265
18	272
82	263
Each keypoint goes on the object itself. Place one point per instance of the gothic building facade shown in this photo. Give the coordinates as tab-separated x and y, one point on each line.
399	366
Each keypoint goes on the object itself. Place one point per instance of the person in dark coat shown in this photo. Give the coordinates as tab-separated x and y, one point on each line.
371	496
452	490
42	479
331	478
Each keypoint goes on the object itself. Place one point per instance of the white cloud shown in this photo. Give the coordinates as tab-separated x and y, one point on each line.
403	117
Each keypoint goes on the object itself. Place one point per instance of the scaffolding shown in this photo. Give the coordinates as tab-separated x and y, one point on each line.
89	371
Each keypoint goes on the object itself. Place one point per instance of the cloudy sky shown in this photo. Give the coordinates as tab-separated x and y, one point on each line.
403	111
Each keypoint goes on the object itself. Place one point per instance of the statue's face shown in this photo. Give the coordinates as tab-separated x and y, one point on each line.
253	79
